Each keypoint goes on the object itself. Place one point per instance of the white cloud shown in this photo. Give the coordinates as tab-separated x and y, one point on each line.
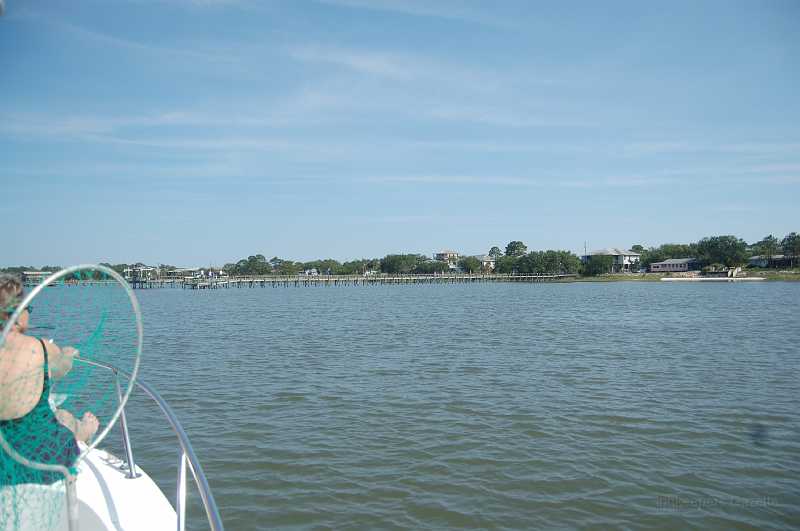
504	117
160	51
423	8
372	63
649	148
452	179
549	181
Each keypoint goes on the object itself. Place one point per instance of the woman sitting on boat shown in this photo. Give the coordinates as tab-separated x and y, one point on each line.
29	424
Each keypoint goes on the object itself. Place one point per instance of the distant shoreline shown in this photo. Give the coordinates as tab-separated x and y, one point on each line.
408	279
788	276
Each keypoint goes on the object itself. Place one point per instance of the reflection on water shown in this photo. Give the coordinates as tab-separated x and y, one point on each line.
519	406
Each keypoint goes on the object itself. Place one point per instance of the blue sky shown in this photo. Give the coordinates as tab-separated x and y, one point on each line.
197	132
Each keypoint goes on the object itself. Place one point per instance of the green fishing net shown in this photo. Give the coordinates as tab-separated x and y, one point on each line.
92	310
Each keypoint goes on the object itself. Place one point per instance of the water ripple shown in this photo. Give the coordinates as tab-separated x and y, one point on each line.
491	406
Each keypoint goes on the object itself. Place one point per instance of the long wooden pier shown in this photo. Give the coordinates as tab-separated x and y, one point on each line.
352	280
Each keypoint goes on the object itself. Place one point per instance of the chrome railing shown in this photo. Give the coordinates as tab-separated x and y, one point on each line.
187	457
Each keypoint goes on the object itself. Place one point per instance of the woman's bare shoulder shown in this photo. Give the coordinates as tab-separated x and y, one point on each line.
21	376
22	350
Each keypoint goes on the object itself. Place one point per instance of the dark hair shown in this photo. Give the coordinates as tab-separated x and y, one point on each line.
10	290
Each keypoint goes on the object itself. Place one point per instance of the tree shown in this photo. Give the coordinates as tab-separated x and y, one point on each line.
287	267
598	265
516	248
400	263
257	265
550	262
570	263
354	267
119	268
767	248
727	250
791	247
506	265
470	264
495	252
429	267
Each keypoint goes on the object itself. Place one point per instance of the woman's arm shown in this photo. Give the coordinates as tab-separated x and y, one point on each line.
60	359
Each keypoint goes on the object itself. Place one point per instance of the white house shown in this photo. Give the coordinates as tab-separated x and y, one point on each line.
623	260
140	273
31	278
487	261
451	257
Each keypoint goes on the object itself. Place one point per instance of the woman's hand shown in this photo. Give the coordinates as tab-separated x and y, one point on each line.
61	359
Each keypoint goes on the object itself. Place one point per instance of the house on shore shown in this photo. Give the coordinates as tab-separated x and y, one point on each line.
487	261
32	278
776	260
451	257
674	265
623	261
140	273
183	273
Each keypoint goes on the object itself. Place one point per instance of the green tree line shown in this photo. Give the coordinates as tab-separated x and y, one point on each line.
726	250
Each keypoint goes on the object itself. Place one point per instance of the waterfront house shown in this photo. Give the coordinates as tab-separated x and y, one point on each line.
32	278
623	261
487	261
182	273
140	273
776	260
675	265
451	257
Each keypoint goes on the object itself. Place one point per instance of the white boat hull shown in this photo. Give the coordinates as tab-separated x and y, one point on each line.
108	500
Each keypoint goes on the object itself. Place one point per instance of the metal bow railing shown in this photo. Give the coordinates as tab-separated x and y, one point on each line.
187	457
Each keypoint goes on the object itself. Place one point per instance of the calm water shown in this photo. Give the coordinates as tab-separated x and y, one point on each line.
490	406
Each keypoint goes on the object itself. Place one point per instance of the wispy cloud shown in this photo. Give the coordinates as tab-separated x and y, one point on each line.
136	46
505	117
549	181
399	66
736	209
426	88
33	124
650	148
380	64
452	179
615	181
773	179
421	8
53	125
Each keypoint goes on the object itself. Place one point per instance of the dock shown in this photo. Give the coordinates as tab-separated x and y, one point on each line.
354	280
